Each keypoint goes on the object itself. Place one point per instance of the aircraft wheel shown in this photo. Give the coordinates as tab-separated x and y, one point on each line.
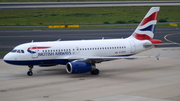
95	72
29	73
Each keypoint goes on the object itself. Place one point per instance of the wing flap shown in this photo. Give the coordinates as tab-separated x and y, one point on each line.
102	59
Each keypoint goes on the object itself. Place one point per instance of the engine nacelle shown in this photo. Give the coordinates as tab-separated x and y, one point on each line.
79	67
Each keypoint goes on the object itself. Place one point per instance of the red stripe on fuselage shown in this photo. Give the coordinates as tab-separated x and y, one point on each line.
38	47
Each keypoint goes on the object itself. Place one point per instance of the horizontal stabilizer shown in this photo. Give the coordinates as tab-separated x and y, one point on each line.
150	44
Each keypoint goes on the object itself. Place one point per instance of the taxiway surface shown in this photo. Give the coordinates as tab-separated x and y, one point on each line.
141	79
9	6
119	80
11	38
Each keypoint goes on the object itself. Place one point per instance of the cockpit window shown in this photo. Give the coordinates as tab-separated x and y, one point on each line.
17	51
13	51
22	51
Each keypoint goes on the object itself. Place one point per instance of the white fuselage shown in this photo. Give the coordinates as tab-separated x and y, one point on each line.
82	55
63	50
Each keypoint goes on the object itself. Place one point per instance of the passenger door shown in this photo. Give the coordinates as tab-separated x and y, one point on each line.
35	51
133	46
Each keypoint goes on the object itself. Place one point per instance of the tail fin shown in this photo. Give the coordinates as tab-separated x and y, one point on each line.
146	28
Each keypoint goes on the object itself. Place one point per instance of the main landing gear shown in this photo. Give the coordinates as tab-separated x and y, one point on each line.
30	73
95	72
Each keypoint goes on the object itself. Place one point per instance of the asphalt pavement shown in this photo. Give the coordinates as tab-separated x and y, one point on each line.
11	38
29	5
119	80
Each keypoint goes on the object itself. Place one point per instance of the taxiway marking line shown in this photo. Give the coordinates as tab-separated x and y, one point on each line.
165	37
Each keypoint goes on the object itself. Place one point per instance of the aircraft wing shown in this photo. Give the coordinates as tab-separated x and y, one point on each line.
102	59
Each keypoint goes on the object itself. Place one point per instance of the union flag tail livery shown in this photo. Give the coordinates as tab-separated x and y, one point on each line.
81	56
146	28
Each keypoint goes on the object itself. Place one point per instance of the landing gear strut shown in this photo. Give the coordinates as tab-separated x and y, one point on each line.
30	73
95	72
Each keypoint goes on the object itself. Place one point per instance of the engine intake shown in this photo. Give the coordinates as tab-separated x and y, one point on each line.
79	67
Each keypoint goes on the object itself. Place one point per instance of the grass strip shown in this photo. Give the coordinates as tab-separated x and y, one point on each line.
85	16
88	27
3	52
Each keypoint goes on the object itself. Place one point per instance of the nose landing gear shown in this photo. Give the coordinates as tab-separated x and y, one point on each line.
30	73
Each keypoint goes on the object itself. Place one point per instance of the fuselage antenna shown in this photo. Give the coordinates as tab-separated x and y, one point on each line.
59	39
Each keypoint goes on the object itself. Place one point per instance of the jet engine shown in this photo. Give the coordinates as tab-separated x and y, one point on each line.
79	67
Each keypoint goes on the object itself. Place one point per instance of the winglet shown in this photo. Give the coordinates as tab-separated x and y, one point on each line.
157	57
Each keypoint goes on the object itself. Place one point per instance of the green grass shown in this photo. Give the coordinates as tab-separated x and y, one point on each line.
81	16
24	28
89	27
3	52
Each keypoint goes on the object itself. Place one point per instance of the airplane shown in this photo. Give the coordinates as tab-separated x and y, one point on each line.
81	56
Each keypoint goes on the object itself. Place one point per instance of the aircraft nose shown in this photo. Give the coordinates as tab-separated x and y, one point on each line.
6	57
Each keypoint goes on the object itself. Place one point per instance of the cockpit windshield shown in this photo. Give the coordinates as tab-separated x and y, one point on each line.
17	51
13	51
